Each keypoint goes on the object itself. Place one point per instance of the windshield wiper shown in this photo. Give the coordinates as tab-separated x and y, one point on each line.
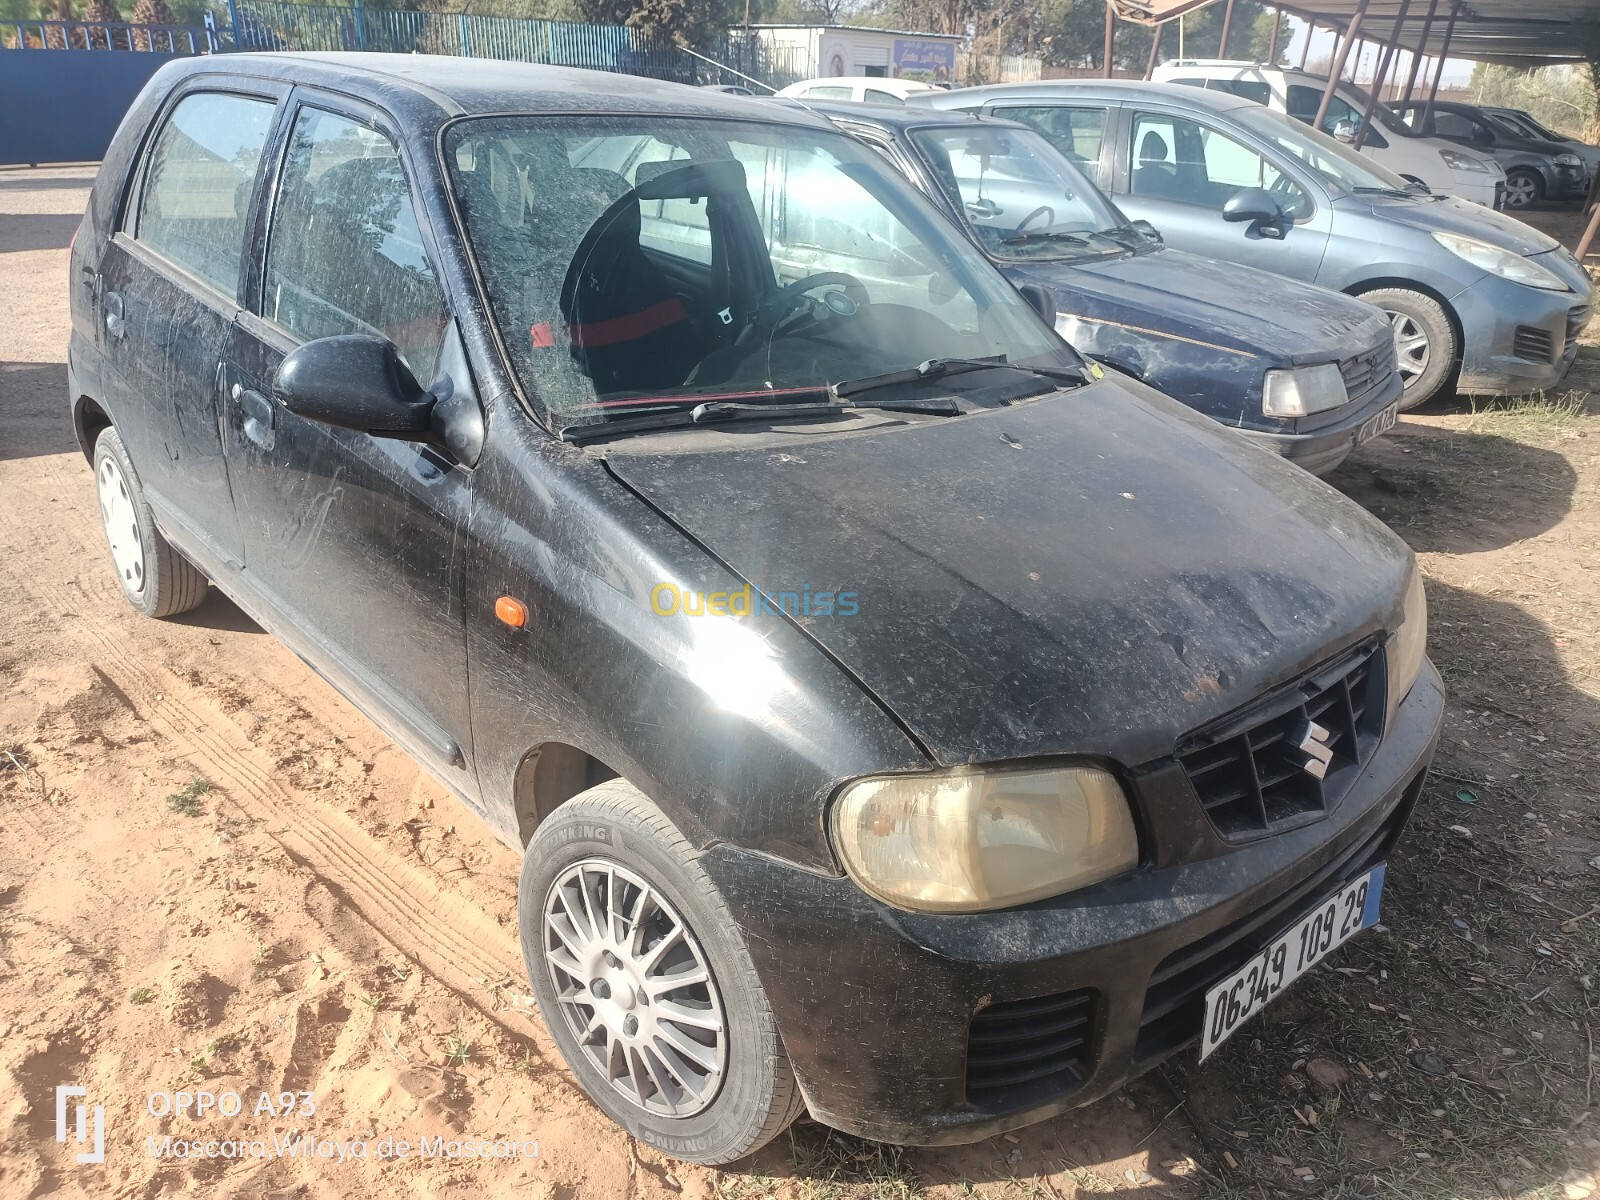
935	368
715	411
1406	194
1044	235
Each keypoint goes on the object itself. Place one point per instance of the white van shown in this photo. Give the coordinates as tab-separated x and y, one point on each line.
1444	166
871	89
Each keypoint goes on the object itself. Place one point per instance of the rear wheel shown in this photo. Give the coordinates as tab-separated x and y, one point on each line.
156	579
1424	342
645	981
1524	189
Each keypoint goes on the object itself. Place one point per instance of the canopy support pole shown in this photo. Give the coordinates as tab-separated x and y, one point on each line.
1305	46
1391	54
1444	53
1155	52
1111	33
1272	46
1419	54
1227	26
1339	58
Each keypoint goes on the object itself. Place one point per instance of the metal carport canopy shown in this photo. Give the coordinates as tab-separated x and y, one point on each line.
1523	32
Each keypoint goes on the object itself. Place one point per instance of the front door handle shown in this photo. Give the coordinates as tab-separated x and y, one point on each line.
260	415
116	322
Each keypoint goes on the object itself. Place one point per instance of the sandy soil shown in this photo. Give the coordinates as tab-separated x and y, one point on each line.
216	876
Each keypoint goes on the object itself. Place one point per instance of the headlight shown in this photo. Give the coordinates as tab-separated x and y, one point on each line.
1303	390
1500	262
1462	162
982	838
1568	160
1409	645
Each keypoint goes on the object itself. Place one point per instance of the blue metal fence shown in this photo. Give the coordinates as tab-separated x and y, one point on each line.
106	35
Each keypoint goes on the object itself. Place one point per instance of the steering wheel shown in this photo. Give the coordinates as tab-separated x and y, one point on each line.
776	308
1044	210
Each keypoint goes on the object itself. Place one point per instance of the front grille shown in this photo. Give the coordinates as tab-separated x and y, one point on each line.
1021	1051
1250	772
1366	372
1174	1004
1535	345
1577	321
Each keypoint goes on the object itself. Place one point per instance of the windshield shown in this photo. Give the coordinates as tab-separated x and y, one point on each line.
1342	168
1018	194
1531	123
636	263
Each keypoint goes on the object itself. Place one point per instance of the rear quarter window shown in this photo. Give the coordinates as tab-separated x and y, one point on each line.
198	181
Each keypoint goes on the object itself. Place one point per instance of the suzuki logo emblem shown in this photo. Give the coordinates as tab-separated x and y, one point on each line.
1313	744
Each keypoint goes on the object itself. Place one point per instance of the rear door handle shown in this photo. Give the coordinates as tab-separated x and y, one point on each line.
116	322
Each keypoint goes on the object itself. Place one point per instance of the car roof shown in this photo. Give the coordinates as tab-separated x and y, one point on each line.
1091	89
460	86
900	117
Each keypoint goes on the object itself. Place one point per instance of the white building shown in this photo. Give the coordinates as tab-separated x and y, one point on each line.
816	51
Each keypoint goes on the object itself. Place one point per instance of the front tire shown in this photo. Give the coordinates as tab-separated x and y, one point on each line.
156	579
644	981
1425	342
1524	189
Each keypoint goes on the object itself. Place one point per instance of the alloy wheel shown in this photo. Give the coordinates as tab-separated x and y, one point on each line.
1521	191
635	988
122	526
1412	349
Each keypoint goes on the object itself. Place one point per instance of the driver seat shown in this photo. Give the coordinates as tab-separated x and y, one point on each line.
1154	176
629	330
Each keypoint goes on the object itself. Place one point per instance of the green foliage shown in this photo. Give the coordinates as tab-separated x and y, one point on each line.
687	22
1562	98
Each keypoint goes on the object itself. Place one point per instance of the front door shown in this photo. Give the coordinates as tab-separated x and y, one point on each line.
1178	173
167	295
354	544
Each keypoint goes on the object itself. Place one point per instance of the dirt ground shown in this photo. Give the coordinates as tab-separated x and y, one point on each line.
216	876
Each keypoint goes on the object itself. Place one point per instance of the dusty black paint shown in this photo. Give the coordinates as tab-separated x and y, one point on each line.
1089	572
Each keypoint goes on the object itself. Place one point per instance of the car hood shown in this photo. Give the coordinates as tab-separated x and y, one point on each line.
1171	292
1094	572
1454	215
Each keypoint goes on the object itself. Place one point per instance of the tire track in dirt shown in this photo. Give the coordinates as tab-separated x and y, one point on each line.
453	940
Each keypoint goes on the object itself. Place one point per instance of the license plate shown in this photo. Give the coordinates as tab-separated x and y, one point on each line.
1315	936
1380	423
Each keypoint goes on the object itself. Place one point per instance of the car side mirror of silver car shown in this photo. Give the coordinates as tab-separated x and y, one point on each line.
356	381
1260	208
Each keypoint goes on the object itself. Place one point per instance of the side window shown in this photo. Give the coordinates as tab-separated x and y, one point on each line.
827	93
202	170
1246	89
1182	160
345	254
1461	128
879	96
1304	101
1076	132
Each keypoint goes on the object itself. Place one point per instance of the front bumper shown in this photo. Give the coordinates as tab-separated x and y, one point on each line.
1518	339
1482	187
1569	183
875	1006
1321	448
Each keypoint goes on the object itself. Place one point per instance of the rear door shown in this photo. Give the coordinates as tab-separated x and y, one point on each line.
354	544
1178	173
167	293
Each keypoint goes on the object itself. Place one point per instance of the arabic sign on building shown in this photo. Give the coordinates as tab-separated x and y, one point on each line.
932	62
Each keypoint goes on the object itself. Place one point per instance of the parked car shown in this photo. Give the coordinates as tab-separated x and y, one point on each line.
1307	372
1479	301
1446	168
871	89
1536	168
1522	119
728	89
904	718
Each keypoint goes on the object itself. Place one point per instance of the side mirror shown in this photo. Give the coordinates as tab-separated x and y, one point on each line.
356	381
1148	230
1346	131
1260	208
1040	300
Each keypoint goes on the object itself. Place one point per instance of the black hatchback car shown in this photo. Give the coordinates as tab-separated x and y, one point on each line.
903	718
1307	372
1536	168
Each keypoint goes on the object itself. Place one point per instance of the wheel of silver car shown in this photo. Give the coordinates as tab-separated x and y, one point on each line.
646	981
634	988
156	579
1523	189
1424	341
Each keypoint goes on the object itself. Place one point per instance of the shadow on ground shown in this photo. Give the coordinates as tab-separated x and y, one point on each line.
34	416
37	231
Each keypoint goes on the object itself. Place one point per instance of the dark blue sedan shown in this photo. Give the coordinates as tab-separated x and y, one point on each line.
1306	371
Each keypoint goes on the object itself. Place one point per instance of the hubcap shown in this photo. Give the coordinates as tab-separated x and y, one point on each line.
122	527
1519	192
1412	350
634	988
